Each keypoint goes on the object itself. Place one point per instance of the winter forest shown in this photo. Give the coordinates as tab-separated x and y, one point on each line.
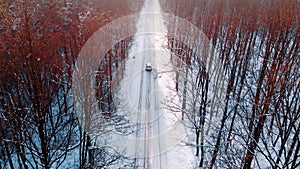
236	89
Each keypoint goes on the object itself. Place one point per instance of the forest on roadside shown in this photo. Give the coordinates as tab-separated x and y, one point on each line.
241	98
39	43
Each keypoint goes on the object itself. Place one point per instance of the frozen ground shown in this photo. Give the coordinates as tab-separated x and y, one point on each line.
160	139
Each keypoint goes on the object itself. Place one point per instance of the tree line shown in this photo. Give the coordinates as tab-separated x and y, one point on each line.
243	106
40	41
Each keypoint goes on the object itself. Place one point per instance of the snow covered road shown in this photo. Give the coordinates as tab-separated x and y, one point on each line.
158	140
143	90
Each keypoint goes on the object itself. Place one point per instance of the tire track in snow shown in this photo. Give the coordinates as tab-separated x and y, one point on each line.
138	120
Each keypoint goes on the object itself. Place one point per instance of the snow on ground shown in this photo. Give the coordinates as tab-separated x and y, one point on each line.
161	139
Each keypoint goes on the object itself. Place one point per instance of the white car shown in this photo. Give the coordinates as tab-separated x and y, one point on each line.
148	67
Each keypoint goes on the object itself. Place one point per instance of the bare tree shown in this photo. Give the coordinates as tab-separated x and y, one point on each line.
252	125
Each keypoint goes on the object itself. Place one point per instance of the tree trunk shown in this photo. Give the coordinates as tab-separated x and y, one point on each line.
253	144
184	94
197	142
90	152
